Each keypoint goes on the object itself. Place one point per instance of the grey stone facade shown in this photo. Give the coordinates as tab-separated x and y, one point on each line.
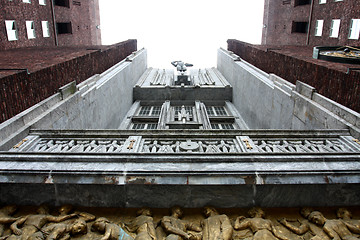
232	136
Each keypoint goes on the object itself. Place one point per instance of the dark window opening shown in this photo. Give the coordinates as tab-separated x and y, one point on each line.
299	27
63	28
302	2
77	3
62	3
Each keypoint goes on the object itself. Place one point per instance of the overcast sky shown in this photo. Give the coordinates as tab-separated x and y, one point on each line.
187	30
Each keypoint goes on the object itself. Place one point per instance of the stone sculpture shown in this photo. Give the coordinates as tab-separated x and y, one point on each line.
177	228
31	224
110	230
5	217
262	228
304	228
68	228
62	231
216	226
346	216
142	225
181	66
336	229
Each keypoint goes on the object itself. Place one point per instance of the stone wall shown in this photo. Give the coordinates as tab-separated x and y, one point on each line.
21	91
266	101
337	85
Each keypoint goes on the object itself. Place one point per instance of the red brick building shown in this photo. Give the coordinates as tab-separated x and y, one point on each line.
311	22
28	23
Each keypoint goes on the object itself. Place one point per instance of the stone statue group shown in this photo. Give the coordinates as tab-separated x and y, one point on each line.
70	224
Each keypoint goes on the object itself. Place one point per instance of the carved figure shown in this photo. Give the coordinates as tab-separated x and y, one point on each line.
216	226
142	225
303	227
5	216
262	228
67	228
346	215
64	231
176	227
67	209
110	230
31	224
181	66
336	229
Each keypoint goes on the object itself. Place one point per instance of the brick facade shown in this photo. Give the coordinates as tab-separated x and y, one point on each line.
84	19
280	15
51	68
296	63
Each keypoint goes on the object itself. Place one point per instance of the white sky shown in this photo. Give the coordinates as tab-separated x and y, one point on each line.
187	30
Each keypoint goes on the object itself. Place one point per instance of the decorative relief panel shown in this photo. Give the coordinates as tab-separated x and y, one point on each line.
78	146
196	144
191	146
302	146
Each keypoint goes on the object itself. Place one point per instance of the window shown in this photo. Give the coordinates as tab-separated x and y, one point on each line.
137	126
45	28
150	111
302	2
222	126
63	28
299	27
338	0
26	1
354	29
334	29
30	29
216	111
322	1
62	3
11	30
77	3
319	27
42	2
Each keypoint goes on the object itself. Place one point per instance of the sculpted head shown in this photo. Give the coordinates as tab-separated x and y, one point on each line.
99	225
65	209
176	210
43	209
78	227
9	209
317	218
305	211
144	211
256	212
343	213
209	211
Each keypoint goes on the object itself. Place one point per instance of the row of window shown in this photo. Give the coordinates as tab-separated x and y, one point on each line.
155	110
324	1
139	126
354	29
306	2
62	3
41	2
12	30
